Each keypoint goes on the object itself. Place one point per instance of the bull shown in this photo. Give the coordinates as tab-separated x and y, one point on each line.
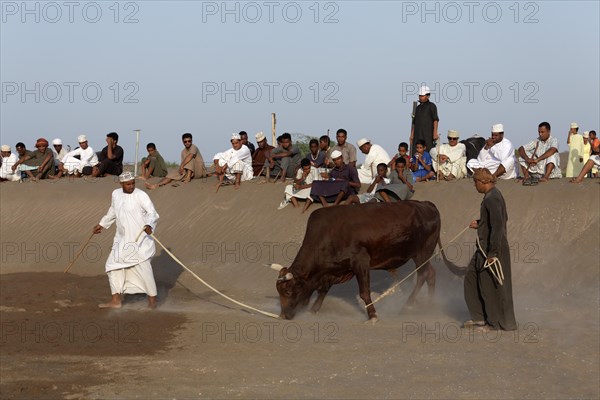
346	241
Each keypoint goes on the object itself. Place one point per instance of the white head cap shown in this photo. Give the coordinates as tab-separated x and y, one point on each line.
235	136
423	90
363	141
497	128
335	154
5	147
260	136
126	177
81	138
586	134
452	133
574	125
57	142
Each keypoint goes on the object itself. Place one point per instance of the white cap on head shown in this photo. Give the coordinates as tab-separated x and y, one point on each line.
497	128
260	136
81	138
5	147
574	125
423	90
126	176
363	141
336	154
57	142
452	133
236	136
586	134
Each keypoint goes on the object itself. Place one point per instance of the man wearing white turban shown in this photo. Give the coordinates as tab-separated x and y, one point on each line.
128	266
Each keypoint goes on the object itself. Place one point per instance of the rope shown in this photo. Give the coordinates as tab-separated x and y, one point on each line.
268	314
393	288
495	266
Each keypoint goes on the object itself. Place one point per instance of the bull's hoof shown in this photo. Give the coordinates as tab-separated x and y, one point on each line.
372	321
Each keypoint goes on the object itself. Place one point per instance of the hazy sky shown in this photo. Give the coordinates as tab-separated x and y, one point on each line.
213	68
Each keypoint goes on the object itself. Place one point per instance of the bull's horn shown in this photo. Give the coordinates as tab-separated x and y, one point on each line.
276	267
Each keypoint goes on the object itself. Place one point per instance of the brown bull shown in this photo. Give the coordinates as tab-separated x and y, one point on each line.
342	242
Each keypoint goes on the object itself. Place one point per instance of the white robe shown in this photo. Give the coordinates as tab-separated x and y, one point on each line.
131	212
238	161
574	166
457	160
302	193
368	170
6	171
502	153
87	158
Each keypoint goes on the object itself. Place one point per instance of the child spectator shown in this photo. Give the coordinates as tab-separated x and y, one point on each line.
400	186
377	182
421	163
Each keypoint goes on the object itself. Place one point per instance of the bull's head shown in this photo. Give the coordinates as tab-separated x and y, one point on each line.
291	292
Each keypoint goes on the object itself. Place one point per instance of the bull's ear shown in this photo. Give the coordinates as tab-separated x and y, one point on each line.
287	277
276	267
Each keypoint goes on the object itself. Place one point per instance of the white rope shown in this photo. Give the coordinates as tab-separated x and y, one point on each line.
393	288
495	266
268	314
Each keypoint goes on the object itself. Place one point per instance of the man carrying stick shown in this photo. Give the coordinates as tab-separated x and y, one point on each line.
128	265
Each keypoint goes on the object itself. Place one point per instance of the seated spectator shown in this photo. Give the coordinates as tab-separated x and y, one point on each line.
375	155
59	152
43	161
594	161
340	183
79	161
498	155
377	182
347	149
154	165
8	160
21	166
245	142
259	158
191	167
474	144
402	152
300	189
539	159
111	158
284	160
595	145
400	186
316	157
233	165
453	158
422	167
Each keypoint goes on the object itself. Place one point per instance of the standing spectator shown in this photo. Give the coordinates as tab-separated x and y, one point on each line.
539	158
488	283
111	158
375	155
452	157
425	121
347	149
575	160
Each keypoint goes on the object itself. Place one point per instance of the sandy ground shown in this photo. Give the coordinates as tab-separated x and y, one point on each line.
55	343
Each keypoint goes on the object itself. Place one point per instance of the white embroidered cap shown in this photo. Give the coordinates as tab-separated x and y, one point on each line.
260	136
335	154
497	128
423	90
363	141
126	176
81	138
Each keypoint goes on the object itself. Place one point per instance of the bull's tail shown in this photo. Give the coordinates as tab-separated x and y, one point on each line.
455	269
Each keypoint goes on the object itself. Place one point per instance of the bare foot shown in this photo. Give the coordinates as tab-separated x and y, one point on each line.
218	187
543	180
575	180
141	178
152	304
151	186
237	186
109	305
